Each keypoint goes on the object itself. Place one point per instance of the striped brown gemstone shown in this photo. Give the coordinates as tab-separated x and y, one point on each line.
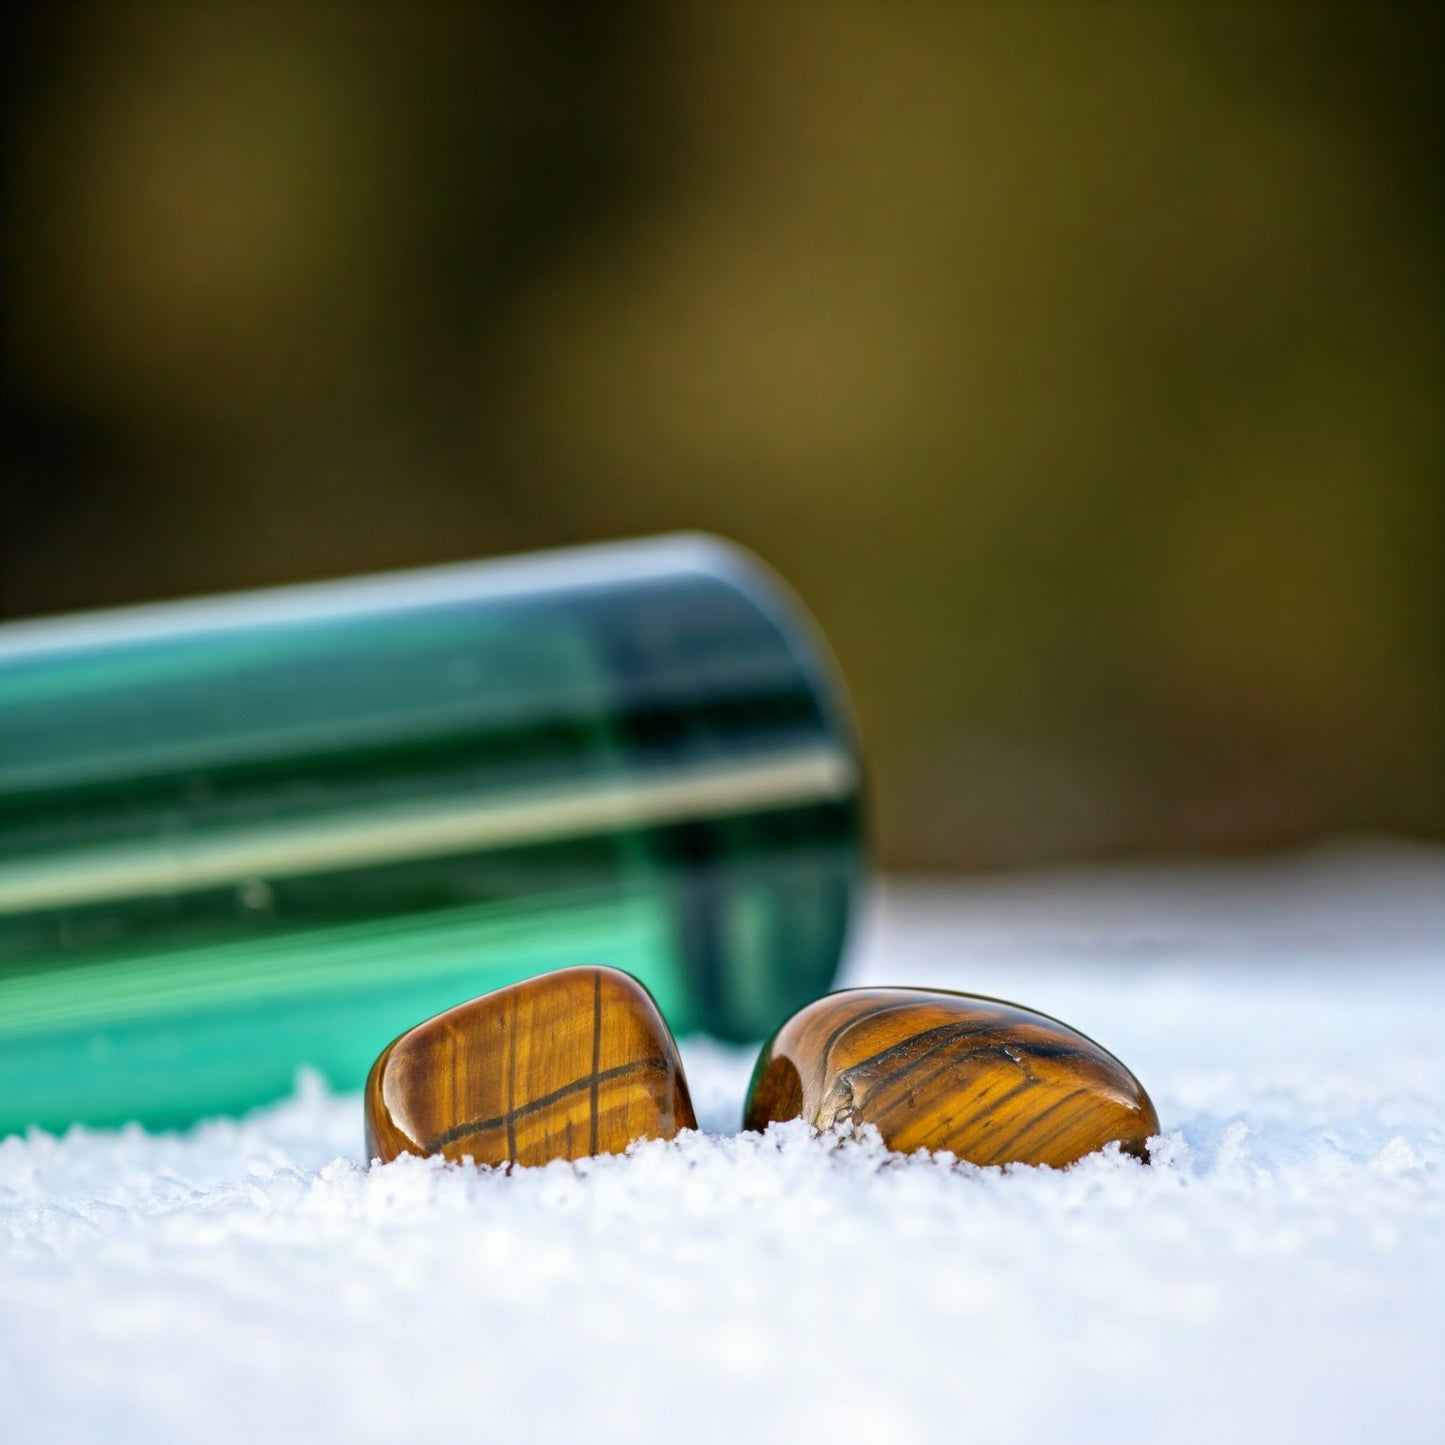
990	1081
570	1064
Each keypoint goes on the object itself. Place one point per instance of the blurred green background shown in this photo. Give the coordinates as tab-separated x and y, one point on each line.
1082	365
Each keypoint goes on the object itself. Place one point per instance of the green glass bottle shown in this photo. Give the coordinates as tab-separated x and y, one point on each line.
251	833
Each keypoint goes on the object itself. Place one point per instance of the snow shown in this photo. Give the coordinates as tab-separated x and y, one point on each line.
1278	1273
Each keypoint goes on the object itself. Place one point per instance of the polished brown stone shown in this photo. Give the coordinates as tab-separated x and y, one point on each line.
570	1064
990	1081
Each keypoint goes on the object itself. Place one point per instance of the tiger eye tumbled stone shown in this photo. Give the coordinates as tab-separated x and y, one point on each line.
990	1081
562	1066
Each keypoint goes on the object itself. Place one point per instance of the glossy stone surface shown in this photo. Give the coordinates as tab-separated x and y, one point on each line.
990	1081
571	1064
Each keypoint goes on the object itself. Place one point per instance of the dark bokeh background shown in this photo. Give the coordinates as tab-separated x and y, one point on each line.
1081	364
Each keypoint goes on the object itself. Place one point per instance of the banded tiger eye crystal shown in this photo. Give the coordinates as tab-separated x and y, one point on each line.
563	1066
990	1081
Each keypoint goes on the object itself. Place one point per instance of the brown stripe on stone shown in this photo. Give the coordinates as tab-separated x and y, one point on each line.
596	1053
511	1049
948	1052
571	1063
986	1079
509	1120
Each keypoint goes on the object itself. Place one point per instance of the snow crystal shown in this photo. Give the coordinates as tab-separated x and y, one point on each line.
1277	1273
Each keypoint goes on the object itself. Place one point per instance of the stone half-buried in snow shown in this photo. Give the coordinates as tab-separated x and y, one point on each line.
990	1081
563	1066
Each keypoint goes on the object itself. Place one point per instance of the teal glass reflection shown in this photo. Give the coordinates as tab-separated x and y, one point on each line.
246	834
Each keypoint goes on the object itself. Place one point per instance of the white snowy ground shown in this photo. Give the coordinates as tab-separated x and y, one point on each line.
1277	1274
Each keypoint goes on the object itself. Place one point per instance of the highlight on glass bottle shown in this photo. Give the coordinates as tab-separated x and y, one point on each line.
248	833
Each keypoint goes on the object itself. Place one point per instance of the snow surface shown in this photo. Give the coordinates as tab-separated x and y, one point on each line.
1277	1274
